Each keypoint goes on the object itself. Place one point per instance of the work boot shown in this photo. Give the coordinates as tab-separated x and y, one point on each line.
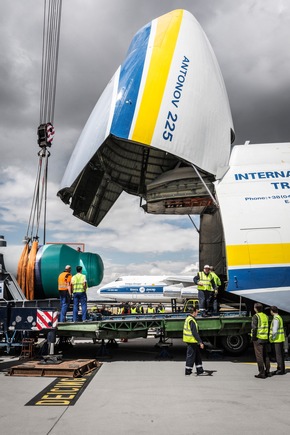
280	372
199	371
188	372
260	376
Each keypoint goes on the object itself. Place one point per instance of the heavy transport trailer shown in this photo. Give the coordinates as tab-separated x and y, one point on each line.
230	330
24	319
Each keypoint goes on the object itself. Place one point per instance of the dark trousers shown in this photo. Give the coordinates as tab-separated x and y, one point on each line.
193	356
80	298
279	352
212	303
204	298
64	297
215	304
262	357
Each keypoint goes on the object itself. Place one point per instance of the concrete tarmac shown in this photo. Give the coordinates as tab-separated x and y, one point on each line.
137	391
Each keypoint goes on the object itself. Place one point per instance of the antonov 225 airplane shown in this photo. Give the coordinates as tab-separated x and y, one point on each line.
149	289
162	130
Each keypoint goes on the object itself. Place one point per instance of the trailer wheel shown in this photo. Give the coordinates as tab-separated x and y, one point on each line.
235	344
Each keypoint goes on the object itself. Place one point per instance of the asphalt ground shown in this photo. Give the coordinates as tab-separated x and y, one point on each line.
140	390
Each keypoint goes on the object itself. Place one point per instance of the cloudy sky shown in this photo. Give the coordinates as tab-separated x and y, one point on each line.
251	41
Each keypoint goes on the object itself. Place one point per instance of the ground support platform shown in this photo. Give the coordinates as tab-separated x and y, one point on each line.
68	369
138	326
230	330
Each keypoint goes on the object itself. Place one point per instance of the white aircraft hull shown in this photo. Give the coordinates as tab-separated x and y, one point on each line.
149	289
254	199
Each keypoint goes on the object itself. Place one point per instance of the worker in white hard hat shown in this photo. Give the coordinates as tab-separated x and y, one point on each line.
205	283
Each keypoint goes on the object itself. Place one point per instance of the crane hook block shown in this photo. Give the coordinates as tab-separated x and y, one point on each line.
45	133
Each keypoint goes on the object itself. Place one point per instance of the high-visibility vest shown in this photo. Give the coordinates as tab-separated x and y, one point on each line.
150	310
64	280
205	281
78	281
216	279
263	325
133	310
280	336
187	334
160	310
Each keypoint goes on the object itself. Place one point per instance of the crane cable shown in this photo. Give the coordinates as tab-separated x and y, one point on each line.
45	132
50	51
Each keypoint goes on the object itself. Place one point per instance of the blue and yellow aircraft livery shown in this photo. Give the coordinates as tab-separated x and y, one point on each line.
162	130
152	117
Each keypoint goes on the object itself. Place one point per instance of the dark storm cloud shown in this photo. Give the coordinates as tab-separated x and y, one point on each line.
249	39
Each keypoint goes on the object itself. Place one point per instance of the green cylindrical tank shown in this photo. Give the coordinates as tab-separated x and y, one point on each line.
51	261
